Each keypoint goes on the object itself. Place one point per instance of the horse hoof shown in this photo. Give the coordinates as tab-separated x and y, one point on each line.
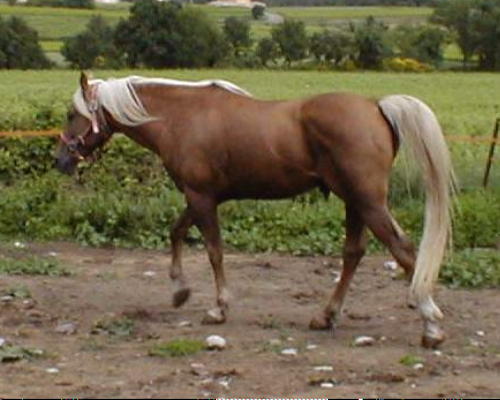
432	342
181	296
213	317
320	323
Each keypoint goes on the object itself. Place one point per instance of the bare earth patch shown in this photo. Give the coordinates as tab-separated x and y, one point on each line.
117	306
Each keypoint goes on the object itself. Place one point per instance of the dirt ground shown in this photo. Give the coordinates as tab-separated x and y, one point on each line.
273	298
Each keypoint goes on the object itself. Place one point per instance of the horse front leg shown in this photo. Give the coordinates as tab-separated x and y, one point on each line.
177	235
204	208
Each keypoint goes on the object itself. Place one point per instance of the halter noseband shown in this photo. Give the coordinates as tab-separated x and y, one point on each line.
98	127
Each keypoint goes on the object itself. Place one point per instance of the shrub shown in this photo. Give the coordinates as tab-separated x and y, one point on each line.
237	33
291	38
19	46
258	11
371	43
93	48
399	64
160	34
332	46
267	50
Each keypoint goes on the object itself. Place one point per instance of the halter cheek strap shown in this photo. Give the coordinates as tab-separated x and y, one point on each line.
94	108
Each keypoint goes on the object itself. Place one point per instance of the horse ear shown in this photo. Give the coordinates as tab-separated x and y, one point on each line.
84	84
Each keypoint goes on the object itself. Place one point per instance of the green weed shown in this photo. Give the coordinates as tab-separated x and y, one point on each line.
177	348
120	327
410	360
32	266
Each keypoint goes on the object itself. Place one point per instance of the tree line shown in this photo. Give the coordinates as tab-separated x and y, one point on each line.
167	35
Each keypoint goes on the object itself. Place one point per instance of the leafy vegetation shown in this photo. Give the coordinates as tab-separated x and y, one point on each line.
121	327
19	46
177	348
11	353
32	265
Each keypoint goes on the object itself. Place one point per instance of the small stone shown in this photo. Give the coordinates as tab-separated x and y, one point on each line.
224	382
383	338
391	265
149	273
184	324
28	304
66	328
289	352
362	341
418	366
326	385
199	369
6	299
52	370
437	353
336	276
413	386
323	368
215	342
311	347
480	333
19	245
52	254
2	341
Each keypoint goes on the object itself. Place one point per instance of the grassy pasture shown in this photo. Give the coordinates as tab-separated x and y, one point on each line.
346	13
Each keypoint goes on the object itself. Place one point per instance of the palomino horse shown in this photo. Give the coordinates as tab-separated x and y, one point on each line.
218	143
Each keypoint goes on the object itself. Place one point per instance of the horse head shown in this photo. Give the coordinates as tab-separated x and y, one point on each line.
86	127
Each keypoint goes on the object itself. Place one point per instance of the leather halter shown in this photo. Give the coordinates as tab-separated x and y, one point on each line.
98	123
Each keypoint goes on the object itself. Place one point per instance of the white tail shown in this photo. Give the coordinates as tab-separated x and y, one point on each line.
418	129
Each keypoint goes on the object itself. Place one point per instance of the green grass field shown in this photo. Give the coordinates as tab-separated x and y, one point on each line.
318	13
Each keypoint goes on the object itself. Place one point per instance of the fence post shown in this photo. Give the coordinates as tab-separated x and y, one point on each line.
491	152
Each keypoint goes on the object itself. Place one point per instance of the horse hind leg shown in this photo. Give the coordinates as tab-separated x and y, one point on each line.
354	249
385	228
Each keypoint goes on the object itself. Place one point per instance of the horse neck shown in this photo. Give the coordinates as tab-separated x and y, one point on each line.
166	103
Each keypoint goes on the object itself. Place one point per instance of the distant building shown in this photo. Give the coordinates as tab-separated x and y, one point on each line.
236	3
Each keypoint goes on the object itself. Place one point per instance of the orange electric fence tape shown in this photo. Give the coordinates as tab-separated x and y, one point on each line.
56	132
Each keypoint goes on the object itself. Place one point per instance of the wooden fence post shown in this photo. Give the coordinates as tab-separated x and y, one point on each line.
491	152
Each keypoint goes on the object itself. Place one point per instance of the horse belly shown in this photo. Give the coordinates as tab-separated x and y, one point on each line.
271	185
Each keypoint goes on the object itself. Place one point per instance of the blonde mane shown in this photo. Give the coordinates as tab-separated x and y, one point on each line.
119	98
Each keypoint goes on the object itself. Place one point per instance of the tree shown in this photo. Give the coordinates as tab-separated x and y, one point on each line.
371	42
331	46
291	38
93	48
237	32
457	16
424	43
267	50
19	46
258	11
477	26
160	34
